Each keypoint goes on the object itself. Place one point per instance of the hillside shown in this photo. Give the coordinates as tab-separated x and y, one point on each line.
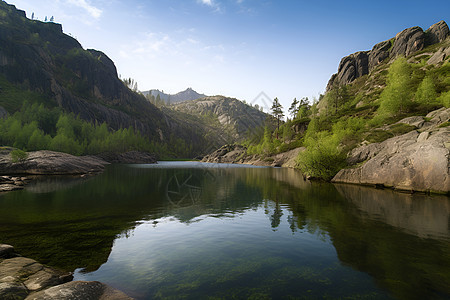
40	64
186	95
227	118
385	116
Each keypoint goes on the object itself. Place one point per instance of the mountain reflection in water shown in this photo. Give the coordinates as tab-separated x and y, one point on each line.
235	218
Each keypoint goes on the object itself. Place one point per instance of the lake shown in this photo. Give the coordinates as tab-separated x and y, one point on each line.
187	230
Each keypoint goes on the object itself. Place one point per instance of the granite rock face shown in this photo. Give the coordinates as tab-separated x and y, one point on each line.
405	43
415	161
437	33
408	42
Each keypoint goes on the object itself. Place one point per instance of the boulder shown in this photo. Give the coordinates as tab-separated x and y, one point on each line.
6	251
351	67
49	162
413	161
379	53
439	56
12	291
437	33
86	290
408	41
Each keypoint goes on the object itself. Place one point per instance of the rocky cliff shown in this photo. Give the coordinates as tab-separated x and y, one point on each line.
407	42
230	118
416	161
37	57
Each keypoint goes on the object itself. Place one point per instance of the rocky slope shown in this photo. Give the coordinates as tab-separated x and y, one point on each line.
38	59
25	278
416	161
407	42
228	117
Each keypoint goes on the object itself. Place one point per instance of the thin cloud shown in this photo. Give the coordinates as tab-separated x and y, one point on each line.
208	2
213	4
92	10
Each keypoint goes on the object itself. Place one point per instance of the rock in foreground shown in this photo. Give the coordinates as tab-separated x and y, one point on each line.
86	290
25	278
415	161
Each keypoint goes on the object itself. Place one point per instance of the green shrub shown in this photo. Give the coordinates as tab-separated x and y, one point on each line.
396	97
18	155
401	128
322	158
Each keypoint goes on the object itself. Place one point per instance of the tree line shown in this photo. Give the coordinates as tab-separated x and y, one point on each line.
36	127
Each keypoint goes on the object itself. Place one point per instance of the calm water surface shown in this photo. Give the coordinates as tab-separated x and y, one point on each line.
183	230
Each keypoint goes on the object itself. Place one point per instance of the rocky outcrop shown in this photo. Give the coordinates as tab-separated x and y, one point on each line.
25	278
408	42
437	33
237	154
46	162
415	161
405	43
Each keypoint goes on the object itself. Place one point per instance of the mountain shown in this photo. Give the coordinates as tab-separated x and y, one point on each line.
229	118
405	43
39	63
188	94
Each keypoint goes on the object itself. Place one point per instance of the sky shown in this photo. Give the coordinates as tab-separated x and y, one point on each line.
252	50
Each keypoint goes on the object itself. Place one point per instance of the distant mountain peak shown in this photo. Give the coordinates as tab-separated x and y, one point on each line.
186	95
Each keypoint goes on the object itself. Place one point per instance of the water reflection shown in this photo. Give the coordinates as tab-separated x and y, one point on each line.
401	240
422	215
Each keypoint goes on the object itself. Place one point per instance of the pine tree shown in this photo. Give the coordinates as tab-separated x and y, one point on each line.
293	110
277	112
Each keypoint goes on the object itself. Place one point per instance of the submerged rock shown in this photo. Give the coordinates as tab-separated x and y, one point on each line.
25	278
85	290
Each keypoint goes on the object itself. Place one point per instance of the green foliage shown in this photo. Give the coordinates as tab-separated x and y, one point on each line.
426	92
18	155
444	99
35	127
396	97
293	110
322	158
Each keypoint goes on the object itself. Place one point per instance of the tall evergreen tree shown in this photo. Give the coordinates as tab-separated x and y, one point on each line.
277	112
293	110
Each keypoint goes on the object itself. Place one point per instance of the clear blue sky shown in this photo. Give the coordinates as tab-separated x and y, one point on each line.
236	48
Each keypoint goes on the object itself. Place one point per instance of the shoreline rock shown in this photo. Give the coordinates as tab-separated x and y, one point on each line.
236	154
45	162
25	278
418	161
